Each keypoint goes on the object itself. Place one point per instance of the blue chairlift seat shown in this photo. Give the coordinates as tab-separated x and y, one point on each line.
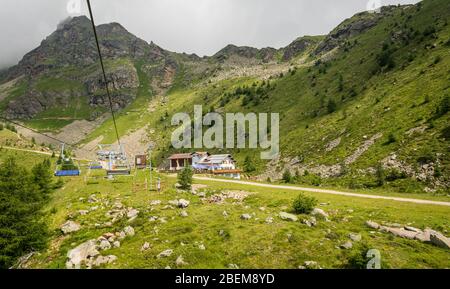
96	167
68	173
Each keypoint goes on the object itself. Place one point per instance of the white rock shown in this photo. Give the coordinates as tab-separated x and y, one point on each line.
319	212
165	253
132	213
155	202
355	237
372	225
145	247
246	217
184	214
129	231
180	261
104	245
202	247
288	217
182	203
81	253
116	244
225	214
439	240
69	227
233	266
269	220
347	245
83	212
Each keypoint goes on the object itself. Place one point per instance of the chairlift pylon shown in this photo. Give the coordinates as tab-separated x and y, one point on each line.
65	165
114	159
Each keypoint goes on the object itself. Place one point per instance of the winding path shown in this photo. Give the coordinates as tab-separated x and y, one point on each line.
324	191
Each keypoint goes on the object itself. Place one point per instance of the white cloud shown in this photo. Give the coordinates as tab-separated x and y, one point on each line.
193	26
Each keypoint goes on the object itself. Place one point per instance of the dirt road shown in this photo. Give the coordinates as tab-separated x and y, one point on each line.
324	191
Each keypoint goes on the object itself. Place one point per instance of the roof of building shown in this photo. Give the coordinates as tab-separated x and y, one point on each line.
215	159
180	156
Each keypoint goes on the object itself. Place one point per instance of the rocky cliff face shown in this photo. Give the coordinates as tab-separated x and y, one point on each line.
70	54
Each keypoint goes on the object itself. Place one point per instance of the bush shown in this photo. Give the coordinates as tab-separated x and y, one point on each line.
248	165
304	204
185	178
1	126
287	177
443	107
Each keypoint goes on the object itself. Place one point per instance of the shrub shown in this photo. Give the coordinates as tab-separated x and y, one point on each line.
331	106
248	165
287	177
185	178
1	126
304	204
380	175
443	107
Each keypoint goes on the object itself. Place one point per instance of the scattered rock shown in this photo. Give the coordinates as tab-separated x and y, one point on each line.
180	261
104	244
92	199
412	229
288	217
347	245
145	247
311	222
132	213
101	260
355	237
233	266
182	203
372	224
155	203
202	247
116	244
83	212
269	220
310	265
165	253
153	218
69	227
225	214
246	216
129	231
439	240
319	212
81	254
184	214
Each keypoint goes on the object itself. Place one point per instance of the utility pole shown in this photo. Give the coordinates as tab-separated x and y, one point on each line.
150	164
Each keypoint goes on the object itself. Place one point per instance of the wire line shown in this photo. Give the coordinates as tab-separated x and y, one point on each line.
103	70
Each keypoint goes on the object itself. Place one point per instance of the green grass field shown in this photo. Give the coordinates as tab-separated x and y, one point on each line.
249	244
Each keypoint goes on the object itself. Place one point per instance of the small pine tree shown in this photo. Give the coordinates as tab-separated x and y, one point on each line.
248	165
304	204
287	177
185	178
381	175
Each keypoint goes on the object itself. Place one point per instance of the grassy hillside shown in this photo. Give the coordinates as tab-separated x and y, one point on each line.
390	81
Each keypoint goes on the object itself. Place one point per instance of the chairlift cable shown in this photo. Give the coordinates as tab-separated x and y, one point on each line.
103	70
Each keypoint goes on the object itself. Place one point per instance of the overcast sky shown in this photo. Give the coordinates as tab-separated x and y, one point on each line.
193	26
